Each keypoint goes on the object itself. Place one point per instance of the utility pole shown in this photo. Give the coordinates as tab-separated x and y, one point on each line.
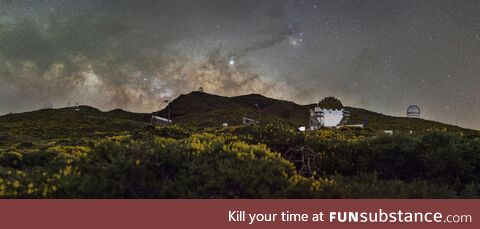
168	107
258	108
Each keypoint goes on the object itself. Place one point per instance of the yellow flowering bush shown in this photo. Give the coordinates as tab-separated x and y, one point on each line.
269	161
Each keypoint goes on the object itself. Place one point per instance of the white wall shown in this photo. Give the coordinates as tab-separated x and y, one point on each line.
332	118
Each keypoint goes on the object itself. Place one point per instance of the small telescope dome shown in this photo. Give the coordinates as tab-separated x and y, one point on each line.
413	111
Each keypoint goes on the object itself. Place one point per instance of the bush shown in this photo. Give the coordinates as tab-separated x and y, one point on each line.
242	162
201	166
369	185
172	131
11	159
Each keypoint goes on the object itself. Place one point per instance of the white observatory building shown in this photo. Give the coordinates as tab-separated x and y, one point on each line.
328	113
413	111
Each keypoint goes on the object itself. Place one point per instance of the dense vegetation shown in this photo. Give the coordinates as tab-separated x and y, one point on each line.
244	162
86	153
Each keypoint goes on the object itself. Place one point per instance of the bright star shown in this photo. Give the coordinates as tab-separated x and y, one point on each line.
231	61
295	39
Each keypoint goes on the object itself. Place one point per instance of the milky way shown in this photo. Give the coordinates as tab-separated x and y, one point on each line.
379	55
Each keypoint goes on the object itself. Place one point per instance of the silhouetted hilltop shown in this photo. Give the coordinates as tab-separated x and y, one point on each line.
199	110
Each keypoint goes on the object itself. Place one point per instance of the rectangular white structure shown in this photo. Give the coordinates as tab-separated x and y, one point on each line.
157	120
320	117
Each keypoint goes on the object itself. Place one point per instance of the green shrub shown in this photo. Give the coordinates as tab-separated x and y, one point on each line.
11	159
201	166
271	161
368	185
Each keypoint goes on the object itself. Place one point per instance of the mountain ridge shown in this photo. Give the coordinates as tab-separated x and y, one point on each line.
289	112
200	109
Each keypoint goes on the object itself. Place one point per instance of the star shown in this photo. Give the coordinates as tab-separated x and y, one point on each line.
295	39
231	61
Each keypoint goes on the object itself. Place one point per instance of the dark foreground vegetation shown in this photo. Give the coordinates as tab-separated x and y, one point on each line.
86	153
271	161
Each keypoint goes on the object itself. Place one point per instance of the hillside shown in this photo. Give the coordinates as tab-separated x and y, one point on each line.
194	110
379	121
46	124
88	153
199	109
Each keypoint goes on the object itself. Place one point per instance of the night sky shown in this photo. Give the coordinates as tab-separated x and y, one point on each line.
378	55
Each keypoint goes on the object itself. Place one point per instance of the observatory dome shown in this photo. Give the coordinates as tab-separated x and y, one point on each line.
413	111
